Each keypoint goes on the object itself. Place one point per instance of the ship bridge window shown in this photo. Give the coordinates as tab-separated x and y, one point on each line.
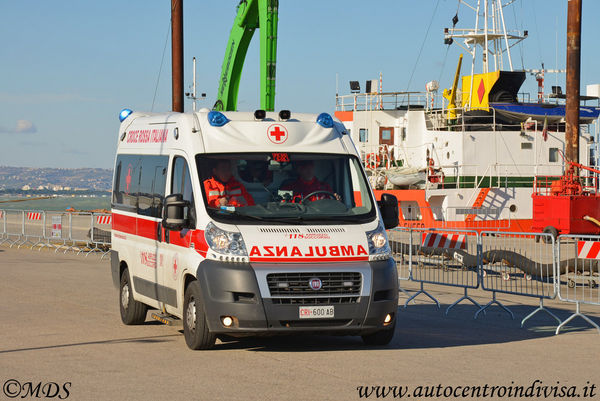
386	135
553	155
363	135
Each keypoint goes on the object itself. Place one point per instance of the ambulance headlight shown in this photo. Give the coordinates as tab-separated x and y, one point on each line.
124	114
325	120
225	243
217	119
378	243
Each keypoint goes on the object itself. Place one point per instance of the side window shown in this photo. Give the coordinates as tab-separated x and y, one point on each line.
153	176
553	155
181	183
126	182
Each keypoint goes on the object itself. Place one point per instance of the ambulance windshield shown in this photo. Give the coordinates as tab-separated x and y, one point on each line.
293	188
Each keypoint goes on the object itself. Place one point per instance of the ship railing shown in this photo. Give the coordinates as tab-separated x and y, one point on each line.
493	175
388	101
460	121
548	184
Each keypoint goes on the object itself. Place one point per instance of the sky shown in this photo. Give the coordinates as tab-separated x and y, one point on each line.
68	67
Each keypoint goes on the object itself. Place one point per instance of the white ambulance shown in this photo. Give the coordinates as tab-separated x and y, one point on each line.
243	223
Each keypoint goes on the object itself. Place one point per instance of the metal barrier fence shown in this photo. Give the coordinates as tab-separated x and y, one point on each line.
2	226
518	264
81	232
399	239
444	257
578	273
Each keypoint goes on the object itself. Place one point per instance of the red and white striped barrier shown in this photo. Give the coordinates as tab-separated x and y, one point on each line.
445	241
588	249
103	219
34	216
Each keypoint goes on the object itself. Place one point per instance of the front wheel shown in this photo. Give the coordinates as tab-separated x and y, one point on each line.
132	311
195	329
381	337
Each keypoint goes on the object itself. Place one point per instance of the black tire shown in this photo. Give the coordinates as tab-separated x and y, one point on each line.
195	329
381	337
132	311
552	231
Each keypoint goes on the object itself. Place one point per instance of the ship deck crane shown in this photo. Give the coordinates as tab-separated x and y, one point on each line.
251	15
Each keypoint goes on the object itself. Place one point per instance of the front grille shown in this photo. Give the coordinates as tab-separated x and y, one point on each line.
296	285
315	301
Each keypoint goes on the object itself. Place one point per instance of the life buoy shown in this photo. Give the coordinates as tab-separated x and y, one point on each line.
373	160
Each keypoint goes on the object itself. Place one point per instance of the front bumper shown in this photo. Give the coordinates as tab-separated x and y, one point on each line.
238	290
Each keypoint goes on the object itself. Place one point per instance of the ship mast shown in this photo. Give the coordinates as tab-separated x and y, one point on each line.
493	38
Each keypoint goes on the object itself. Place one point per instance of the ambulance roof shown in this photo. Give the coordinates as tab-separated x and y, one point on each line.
239	132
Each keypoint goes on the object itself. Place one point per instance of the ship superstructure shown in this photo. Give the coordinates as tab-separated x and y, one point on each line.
468	158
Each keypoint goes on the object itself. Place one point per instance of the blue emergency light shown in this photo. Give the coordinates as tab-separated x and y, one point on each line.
124	114
325	120
217	119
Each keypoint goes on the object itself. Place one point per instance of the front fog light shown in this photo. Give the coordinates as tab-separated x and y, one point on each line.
388	319
228	321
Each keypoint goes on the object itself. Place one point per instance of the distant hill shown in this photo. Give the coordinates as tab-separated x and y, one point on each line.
98	179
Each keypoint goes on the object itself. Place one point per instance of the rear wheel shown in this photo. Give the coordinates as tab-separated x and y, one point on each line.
381	337
195	329
132	311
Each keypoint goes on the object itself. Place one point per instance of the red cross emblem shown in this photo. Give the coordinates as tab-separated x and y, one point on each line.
175	266
277	134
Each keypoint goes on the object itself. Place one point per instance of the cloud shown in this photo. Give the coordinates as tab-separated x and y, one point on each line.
23	127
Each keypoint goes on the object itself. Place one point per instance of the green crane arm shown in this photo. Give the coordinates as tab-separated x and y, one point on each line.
251	14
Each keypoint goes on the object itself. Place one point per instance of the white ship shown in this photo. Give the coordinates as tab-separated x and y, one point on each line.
472	157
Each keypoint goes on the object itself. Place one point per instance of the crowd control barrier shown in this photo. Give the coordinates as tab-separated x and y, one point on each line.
519	264
445	257
578	274
399	239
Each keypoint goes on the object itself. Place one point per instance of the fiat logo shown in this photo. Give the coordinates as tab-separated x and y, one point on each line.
315	283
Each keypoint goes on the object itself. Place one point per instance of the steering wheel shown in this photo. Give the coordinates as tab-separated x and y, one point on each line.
307	197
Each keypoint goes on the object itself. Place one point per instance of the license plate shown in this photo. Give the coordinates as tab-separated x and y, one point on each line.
316	312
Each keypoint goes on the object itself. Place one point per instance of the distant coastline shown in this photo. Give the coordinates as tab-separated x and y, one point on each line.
56	203
59	181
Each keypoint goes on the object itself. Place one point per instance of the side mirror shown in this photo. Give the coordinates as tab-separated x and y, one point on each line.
174	212
388	205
